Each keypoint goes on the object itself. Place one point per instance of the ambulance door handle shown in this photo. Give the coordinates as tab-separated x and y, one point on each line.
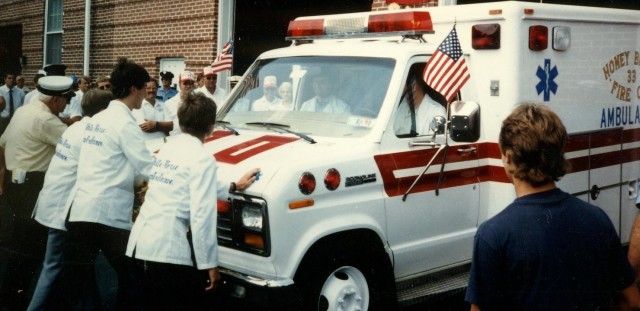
470	150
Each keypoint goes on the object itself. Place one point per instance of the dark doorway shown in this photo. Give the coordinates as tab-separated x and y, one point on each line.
618	4
262	25
10	49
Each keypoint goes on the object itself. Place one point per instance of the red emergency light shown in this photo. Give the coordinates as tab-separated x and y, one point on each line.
485	36
306	28
402	21
538	37
406	22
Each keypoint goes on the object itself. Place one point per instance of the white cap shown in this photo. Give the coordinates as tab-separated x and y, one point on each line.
208	71
270	81
187	76
56	86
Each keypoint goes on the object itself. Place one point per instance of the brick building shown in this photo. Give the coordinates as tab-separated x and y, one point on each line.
37	32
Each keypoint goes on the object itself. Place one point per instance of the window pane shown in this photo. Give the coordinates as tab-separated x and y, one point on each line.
54	16
54	48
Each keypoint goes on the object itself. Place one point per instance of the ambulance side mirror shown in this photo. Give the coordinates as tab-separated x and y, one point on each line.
465	121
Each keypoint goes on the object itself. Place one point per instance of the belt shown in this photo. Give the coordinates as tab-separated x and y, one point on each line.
28	177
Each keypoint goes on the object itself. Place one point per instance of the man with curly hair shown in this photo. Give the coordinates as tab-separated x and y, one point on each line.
548	250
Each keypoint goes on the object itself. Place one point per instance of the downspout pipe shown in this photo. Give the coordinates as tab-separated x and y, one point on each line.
87	36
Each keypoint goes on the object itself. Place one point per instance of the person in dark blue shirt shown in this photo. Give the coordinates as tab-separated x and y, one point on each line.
548	250
166	91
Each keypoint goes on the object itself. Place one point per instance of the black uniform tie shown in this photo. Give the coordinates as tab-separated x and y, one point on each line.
11	108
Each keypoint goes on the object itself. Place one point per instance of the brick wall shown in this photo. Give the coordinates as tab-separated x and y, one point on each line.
141	30
30	15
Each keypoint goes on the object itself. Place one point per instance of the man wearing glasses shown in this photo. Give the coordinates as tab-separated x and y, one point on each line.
104	83
211	89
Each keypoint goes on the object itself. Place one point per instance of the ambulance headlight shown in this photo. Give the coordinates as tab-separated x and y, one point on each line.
252	218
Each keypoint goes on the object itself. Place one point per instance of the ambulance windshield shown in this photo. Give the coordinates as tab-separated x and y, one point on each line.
314	95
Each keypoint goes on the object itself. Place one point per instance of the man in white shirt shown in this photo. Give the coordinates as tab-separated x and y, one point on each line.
324	101
53	202
13	97
186	81
269	100
73	112
113	152
417	122
26	148
211	89
151	114
34	93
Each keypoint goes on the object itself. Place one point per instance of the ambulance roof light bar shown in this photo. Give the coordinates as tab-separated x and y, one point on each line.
361	25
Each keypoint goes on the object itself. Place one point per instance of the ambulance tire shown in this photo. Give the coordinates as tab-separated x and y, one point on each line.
349	279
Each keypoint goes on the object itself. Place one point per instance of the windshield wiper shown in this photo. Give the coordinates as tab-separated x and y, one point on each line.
225	125
282	127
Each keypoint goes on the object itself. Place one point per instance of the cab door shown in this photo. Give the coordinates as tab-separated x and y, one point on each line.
434	224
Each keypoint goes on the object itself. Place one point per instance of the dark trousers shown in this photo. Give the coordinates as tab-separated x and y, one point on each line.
163	286
86	239
25	244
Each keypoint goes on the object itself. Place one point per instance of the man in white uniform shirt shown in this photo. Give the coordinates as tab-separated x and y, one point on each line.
211	89
27	146
186	81
112	153
53	203
269	100
324	101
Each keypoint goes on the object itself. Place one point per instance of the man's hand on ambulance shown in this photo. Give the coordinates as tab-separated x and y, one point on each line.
247	179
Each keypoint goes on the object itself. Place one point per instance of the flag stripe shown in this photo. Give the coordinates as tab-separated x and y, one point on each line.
446	70
224	61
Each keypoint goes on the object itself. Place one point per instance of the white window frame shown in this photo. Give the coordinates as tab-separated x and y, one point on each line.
47	33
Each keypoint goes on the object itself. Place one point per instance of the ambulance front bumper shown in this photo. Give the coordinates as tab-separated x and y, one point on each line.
246	292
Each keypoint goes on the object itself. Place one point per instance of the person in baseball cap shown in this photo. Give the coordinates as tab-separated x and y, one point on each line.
187	76
210	87
186	81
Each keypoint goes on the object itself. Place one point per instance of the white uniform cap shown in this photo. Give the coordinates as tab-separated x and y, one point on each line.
270	81
56	86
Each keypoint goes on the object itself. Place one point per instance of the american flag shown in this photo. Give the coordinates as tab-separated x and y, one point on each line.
446	71
225	59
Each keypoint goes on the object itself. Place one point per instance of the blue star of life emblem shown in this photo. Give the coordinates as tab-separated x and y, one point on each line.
546	76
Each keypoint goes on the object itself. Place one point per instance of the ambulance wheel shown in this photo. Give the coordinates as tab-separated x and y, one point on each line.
348	282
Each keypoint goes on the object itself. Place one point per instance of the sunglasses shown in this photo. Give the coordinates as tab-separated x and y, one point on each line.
211	78
105	87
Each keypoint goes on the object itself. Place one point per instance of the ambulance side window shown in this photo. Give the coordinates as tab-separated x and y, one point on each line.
418	105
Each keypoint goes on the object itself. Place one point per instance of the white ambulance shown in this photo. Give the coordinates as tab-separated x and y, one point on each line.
350	212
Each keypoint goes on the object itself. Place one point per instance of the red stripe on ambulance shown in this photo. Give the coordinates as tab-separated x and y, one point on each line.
241	152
